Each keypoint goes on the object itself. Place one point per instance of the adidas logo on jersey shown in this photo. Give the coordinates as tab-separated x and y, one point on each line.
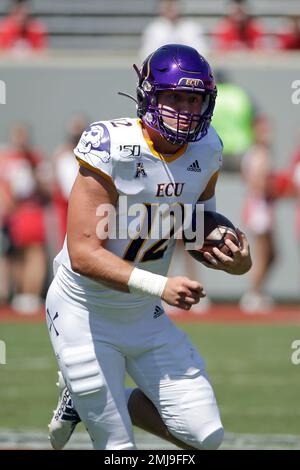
158	311
194	166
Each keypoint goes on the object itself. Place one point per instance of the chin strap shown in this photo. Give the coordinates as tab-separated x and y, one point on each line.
128	96
137	72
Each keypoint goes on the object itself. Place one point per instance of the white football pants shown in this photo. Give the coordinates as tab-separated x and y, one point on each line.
94	350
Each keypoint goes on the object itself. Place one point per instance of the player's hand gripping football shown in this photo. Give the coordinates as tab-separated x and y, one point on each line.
182	292
239	263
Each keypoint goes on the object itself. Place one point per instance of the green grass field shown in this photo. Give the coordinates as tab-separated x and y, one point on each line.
256	384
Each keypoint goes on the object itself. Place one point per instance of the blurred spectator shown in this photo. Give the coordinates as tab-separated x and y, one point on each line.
19	32
295	180
294	183
258	216
170	28
234	120
6	205
65	171
290	39
27	190
238	31
286	183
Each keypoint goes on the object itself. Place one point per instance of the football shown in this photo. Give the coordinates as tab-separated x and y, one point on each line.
217	228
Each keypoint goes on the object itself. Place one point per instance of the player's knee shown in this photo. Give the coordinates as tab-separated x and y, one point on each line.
213	440
200	437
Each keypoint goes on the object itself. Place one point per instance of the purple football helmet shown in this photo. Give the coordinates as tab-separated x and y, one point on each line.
180	68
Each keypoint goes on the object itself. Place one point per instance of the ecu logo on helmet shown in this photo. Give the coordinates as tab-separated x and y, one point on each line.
193	82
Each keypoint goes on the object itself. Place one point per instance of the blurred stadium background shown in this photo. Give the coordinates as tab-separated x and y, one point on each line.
92	45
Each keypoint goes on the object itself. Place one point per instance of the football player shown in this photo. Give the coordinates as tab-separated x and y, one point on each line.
104	309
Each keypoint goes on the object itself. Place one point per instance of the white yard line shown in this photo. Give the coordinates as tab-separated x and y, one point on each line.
11	439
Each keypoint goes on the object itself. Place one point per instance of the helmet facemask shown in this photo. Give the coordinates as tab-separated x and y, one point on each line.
155	117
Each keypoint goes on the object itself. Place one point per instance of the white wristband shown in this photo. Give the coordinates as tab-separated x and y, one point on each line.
144	282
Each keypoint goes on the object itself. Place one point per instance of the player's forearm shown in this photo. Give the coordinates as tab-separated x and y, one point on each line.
106	268
102	266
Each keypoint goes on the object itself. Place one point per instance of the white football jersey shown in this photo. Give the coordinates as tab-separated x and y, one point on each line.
118	150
